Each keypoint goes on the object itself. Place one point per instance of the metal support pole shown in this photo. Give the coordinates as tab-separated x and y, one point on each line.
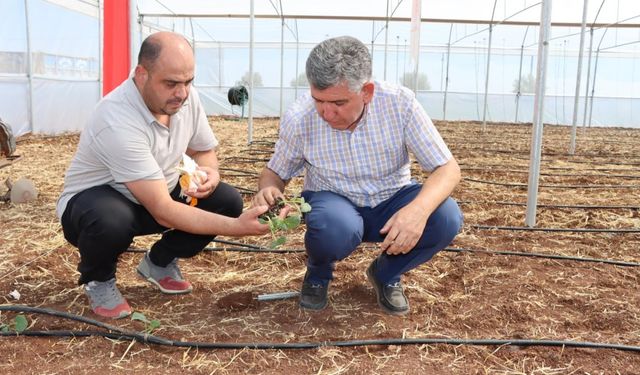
250	119
416	18
595	71
100	45
386	41
397	58
518	94
446	79
220	66
29	67
576	99
134	47
586	94
297	55
404	64
373	37
593	87
538	113
486	82
281	59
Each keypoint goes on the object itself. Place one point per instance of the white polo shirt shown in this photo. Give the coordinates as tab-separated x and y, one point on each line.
123	142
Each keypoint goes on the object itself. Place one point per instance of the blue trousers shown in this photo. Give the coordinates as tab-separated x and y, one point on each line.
335	227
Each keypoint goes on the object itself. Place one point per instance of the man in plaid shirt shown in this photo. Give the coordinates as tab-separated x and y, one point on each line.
352	137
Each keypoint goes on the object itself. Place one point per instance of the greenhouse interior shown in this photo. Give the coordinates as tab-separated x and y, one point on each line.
536	104
472	63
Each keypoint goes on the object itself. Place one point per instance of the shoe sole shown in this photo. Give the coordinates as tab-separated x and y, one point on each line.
163	290
379	298
123	314
313	307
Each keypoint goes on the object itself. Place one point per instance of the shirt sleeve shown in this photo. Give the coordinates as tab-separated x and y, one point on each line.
288	158
203	138
127	155
423	139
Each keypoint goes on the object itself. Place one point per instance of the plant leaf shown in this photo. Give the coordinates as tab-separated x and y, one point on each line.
139	316
263	221
4	328
292	221
279	241
305	207
20	323
274	224
281	224
153	325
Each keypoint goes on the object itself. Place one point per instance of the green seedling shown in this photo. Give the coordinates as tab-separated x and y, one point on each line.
277	224
18	324
150	325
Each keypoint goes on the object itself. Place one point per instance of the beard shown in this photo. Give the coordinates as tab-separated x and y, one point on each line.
173	106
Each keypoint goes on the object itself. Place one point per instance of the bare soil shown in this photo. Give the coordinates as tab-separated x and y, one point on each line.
475	295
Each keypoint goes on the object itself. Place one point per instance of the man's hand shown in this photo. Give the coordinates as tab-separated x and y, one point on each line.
249	224
267	196
403	230
249	220
211	183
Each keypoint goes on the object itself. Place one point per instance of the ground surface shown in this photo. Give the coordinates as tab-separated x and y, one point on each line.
458	295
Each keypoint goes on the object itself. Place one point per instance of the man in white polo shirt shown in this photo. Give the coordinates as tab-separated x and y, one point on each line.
123	181
352	137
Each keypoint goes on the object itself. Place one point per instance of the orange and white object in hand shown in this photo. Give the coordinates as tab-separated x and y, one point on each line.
190	179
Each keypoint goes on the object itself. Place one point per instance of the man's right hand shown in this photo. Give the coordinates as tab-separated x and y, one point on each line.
249	224
267	196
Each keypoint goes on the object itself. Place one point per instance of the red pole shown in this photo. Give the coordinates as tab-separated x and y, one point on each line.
116	44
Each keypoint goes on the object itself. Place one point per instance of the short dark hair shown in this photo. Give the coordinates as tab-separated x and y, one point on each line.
149	52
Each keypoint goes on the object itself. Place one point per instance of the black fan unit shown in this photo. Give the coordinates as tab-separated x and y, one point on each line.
238	95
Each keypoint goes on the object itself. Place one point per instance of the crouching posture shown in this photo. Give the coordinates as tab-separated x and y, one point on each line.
123	179
352	137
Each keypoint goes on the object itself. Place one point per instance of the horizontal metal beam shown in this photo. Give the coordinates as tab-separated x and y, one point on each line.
398	19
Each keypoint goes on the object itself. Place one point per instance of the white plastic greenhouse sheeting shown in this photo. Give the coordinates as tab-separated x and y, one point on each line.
65	39
460	106
62	37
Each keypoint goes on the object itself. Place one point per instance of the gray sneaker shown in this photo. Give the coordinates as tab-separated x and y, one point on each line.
168	279
390	296
106	300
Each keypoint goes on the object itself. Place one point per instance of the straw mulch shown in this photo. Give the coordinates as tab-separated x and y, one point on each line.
464	295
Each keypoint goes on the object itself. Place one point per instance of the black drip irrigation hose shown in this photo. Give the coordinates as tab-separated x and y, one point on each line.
498	166
257	151
454	141
263	142
240	159
579	206
525	152
122	334
245	191
544	256
547	174
239	172
554	186
248	248
579	230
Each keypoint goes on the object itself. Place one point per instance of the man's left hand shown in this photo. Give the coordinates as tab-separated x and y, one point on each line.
206	189
403	230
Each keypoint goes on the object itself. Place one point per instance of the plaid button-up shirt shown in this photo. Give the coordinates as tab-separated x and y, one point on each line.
367	165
